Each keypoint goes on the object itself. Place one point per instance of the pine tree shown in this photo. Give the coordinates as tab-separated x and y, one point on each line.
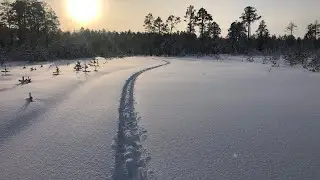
160	26
248	17
172	22
149	23
236	34
313	31
6	22
191	19
213	30
263	35
203	18
291	27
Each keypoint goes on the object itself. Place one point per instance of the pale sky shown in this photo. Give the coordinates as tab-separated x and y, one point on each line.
122	15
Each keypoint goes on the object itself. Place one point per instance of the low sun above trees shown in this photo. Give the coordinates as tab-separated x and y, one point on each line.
83	11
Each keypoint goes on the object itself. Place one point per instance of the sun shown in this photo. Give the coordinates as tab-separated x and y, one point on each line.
83	11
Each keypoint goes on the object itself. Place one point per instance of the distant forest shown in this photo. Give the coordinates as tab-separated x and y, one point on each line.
29	30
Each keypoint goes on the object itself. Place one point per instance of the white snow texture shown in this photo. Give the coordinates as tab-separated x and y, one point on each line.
140	118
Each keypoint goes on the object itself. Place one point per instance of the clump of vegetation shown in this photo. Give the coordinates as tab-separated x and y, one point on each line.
5	69
78	66
315	63
33	69
275	60
25	80
57	72
85	67
250	59
265	59
30	98
295	57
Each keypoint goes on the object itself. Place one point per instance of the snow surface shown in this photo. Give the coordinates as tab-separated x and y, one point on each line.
230	120
196	118
68	131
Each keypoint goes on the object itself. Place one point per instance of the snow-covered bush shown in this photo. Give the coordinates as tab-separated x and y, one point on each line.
250	59
265	59
296	57
315	63
290	58
275	60
78	66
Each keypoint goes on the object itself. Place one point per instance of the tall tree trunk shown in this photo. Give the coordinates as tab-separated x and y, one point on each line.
316	29
190	28
249	29
202	27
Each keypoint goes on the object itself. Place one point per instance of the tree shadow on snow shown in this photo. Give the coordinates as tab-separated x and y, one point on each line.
19	122
10	88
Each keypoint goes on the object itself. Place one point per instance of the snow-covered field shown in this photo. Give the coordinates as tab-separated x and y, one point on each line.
202	119
68	131
230	120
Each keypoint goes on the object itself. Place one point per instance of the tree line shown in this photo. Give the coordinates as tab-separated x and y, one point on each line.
239	40
30	30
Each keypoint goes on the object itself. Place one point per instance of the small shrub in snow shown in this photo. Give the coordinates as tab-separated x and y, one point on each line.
25	80
86	68
290	58
57	72
265	59
250	59
275	60
78	66
5	70
30	99
33	69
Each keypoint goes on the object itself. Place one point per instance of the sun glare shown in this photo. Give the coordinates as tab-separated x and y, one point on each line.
83	11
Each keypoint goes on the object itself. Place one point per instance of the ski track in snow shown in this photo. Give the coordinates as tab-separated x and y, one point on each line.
129	161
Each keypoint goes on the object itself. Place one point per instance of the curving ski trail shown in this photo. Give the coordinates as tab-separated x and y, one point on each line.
129	162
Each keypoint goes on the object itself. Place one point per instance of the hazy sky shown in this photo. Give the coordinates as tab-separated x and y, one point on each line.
121	15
